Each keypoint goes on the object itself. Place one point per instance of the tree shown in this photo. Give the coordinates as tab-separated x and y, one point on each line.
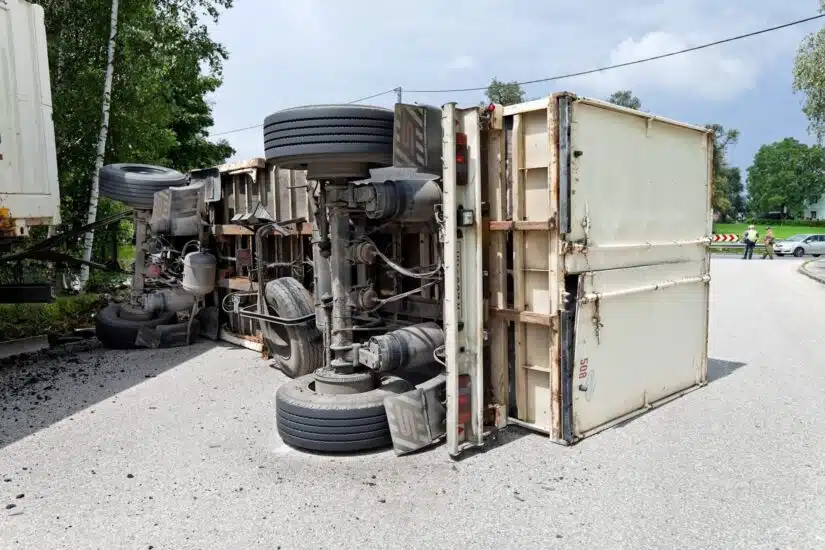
100	150
809	78
724	194
625	98
505	93
787	175
166	64
736	191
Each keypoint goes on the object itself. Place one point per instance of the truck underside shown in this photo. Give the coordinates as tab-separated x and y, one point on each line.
437	273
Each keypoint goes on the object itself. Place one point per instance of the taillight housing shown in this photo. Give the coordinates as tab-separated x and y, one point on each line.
461	158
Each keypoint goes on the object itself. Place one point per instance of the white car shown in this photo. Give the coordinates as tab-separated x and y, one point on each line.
800	245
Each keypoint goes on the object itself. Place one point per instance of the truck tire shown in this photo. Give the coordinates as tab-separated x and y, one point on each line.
135	185
298	349
115	332
334	423
294	138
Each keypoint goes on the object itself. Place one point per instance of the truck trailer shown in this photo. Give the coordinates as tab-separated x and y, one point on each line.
29	188
419	273
543	264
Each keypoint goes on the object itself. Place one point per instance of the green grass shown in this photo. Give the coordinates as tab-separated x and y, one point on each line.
780	232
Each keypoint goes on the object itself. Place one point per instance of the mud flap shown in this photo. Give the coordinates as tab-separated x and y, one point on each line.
167	336
418	417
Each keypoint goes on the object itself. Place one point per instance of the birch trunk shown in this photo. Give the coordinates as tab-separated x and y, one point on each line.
101	147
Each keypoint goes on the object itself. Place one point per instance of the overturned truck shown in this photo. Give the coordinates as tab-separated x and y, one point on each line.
449	271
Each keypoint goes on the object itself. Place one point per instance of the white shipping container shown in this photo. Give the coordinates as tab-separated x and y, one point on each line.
29	187
576	265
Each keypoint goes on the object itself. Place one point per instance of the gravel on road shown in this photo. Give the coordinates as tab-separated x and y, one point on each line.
177	449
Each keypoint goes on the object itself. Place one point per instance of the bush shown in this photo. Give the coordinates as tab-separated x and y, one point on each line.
59	317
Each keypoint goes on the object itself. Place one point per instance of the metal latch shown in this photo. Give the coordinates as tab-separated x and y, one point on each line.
466	218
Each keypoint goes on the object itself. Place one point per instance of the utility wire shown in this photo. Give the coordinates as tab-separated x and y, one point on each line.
579	73
261	125
373	95
629	63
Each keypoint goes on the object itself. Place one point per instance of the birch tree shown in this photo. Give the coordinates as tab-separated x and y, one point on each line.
101	145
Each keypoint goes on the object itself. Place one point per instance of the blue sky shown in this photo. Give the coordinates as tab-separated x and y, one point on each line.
286	53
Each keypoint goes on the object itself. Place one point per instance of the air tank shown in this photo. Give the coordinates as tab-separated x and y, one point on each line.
199	272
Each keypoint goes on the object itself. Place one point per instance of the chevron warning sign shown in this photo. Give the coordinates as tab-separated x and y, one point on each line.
725	238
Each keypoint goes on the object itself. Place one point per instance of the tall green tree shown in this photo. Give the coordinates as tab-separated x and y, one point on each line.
625	98
736	191
788	175
166	65
722	172
809	78
505	93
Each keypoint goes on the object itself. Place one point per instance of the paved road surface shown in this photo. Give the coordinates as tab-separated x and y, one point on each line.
175	449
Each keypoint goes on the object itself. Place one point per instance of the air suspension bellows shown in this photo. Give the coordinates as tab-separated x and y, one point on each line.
406	348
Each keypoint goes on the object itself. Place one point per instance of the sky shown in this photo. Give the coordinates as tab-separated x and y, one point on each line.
285	53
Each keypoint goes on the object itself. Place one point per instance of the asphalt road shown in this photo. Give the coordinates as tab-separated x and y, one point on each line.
176	449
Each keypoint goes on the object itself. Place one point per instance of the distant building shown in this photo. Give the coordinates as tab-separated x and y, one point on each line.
815	211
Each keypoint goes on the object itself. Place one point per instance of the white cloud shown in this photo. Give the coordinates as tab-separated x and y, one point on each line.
713	73
286	53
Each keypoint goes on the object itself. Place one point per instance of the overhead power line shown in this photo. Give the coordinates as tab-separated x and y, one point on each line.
254	126
374	95
629	63
578	73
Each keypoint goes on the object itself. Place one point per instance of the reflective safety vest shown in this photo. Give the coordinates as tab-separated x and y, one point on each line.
751	235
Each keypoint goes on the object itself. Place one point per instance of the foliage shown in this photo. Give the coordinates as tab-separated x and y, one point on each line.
625	98
736	191
809	78
505	93
788	175
724	176
58	317
166	64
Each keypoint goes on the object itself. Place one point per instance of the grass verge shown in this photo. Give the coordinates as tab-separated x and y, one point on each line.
59	317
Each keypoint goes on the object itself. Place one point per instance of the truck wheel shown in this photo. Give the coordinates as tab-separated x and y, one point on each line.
297	349
116	332
135	185
335	423
297	137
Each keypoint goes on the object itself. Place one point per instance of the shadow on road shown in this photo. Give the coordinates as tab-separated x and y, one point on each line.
719	368
39	390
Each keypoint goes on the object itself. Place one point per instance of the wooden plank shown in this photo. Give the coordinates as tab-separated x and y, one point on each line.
521	225
238	283
230	230
527	317
245	165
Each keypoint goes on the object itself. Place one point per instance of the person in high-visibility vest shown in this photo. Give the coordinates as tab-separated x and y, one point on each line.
768	244
751	236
